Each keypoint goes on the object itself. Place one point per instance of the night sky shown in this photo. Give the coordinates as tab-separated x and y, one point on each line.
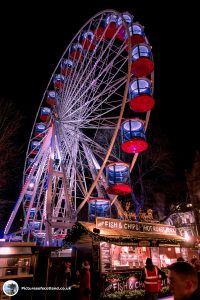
34	38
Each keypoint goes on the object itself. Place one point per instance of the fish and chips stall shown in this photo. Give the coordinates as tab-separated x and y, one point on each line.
118	249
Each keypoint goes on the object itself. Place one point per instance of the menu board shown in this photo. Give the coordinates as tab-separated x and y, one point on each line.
105	257
155	256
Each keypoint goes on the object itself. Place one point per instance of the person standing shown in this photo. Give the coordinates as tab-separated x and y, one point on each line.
183	281
67	274
196	264
85	288
151	276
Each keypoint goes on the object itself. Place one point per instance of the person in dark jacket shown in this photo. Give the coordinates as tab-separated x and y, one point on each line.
183	281
196	264
152	276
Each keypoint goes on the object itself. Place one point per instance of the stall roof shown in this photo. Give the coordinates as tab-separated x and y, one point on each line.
114	233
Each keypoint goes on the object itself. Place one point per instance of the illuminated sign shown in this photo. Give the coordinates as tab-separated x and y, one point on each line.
106	223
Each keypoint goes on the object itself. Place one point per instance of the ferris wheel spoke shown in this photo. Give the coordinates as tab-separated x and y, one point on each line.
106	86
97	122
82	172
84	66
93	167
36	185
109	106
97	82
94	89
82	70
39	195
97	114
100	60
70	149
107	91
97	148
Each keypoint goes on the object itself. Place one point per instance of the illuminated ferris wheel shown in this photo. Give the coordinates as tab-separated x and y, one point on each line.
108	64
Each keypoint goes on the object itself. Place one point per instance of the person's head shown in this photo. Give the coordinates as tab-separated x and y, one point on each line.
183	280
50	263
180	258
149	261
67	264
197	265
86	265
193	260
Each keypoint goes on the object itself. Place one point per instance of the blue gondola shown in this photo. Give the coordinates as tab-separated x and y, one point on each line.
111	24
118	178
88	41
32	211
133	136
76	52
58	81
27	200
31	185
29	164
142	60
66	67
98	207
45	113
27	197
51	98
40	130
128	18
106	28
140	95
35	225
35	147
137	35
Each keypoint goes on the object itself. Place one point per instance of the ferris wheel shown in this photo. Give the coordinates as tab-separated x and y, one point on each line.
71	158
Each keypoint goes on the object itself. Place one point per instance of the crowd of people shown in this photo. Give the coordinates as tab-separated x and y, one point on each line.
75	283
183	279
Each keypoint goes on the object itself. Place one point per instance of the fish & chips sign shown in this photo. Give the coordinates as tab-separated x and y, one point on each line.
134	226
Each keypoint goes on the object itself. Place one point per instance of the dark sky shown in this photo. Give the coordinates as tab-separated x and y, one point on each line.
33	39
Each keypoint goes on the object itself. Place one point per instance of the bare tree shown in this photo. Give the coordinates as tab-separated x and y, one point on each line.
156	172
10	148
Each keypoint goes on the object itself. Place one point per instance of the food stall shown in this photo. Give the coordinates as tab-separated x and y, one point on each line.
119	249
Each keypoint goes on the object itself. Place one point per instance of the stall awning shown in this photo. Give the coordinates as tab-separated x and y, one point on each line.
125	235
